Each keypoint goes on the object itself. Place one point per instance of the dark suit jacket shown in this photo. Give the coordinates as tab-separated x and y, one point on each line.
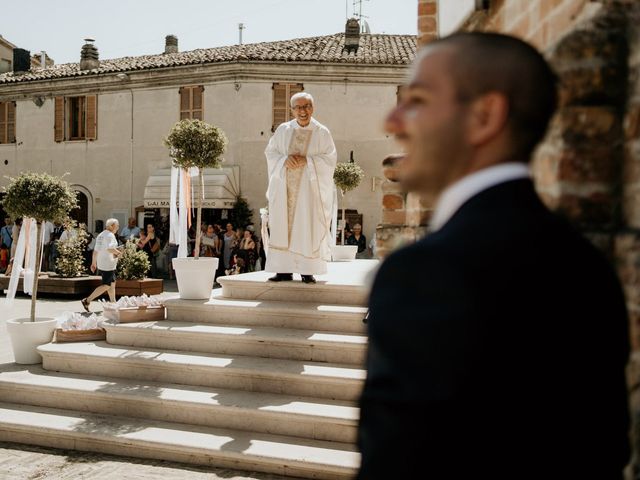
497	349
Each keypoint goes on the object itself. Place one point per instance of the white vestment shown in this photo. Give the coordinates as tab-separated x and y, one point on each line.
301	202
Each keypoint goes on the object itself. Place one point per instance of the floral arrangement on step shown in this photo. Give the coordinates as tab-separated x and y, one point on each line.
143	300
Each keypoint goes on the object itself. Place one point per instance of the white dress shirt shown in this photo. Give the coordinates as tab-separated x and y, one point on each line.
464	189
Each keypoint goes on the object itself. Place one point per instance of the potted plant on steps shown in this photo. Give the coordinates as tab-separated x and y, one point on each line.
196	144
41	197
132	270
347	176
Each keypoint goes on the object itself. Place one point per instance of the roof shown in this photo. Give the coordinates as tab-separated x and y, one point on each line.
375	49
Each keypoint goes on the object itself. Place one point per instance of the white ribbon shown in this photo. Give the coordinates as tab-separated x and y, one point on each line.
19	261
178	213
334	218
183	238
264	231
174	222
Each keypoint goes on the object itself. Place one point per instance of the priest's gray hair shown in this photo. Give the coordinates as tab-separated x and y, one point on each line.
301	95
111	221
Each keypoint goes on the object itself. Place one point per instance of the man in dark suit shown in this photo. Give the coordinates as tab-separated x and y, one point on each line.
498	343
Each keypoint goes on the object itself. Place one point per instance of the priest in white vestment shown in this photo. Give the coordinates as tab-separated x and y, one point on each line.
301	158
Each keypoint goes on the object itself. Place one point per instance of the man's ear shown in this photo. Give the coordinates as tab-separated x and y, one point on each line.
487	118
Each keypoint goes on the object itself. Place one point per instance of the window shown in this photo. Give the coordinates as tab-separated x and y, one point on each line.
76	118
7	122
191	102
282	93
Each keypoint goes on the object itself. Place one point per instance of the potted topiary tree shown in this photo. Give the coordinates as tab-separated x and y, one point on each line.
346	176
41	197
194	143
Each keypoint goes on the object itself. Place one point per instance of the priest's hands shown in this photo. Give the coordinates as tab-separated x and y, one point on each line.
295	161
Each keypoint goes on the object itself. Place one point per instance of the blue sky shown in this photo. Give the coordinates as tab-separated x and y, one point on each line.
137	27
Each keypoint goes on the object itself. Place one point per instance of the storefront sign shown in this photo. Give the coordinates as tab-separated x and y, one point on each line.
207	203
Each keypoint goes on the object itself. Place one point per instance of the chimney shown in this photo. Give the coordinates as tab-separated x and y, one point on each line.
43	59
170	44
352	35
21	60
89	55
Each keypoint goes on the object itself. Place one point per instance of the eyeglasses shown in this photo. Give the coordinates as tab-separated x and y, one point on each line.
308	106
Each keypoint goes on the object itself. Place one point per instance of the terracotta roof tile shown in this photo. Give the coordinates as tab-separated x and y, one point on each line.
374	49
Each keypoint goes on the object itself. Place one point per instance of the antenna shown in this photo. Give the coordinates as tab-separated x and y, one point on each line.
357	13
240	28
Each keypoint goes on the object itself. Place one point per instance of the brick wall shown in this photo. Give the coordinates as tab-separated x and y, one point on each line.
427	21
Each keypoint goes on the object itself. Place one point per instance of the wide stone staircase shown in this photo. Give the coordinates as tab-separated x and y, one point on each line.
262	377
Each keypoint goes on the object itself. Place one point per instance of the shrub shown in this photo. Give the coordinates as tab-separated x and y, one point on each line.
133	264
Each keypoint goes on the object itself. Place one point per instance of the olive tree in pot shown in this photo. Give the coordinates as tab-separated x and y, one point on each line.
194	143
41	197
347	176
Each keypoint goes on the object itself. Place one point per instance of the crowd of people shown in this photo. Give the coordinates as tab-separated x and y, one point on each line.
240	250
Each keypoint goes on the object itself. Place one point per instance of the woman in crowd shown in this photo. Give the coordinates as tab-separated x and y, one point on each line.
230	242
248	251
357	238
151	245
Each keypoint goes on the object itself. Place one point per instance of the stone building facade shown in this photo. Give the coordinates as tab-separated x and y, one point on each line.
588	167
104	124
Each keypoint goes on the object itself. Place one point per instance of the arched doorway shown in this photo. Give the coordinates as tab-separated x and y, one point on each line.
83	214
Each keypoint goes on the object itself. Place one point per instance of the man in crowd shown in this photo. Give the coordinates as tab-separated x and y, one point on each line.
301	158
130	231
498	343
5	232
105	259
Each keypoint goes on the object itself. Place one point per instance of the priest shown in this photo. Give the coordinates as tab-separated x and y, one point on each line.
301	158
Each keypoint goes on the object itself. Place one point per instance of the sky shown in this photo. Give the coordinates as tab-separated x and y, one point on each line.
138	27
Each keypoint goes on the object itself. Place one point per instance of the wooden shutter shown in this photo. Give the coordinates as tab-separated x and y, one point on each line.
58	127
191	102
196	102
282	93
3	122
280	108
11	122
185	103
92	117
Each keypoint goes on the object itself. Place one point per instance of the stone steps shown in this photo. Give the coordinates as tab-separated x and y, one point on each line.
317	419
260	377
65	429
292	344
293	377
291	314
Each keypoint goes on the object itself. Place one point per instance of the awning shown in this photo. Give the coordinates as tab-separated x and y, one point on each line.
221	187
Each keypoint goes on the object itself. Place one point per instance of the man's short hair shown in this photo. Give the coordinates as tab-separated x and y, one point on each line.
493	62
111	221
301	95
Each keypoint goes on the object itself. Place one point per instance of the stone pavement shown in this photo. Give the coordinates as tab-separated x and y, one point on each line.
24	462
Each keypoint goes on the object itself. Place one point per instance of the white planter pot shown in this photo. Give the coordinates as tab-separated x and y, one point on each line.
343	253
195	277
26	336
